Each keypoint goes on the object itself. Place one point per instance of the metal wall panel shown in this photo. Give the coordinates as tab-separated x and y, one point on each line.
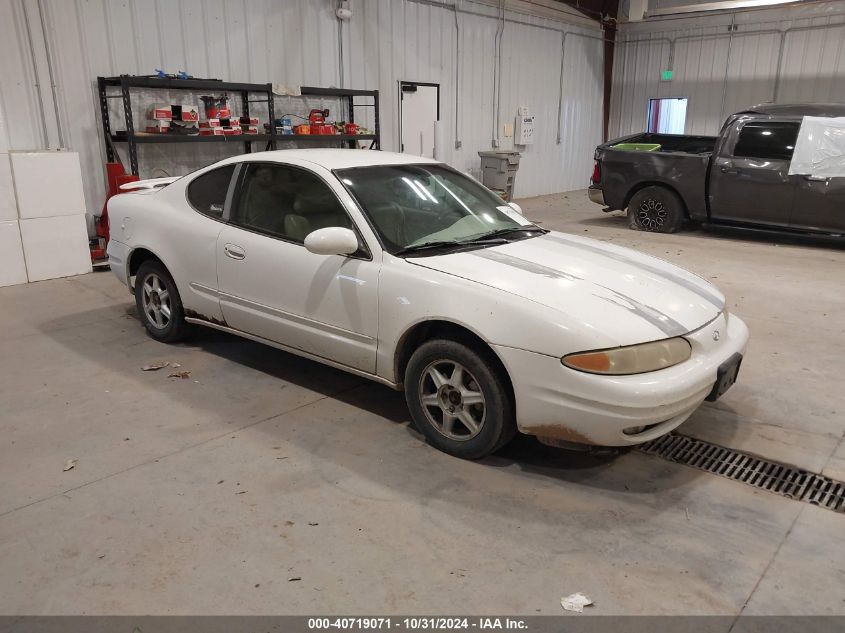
729	61
302	42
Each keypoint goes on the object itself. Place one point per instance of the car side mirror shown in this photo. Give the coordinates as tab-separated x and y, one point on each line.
516	207
332	240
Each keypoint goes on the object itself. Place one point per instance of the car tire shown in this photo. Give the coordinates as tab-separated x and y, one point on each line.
481	420
159	304
656	209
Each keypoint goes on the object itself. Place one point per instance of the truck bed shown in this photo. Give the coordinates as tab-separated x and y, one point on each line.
682	163
675	143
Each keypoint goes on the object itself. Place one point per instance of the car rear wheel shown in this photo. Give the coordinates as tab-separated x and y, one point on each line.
158	303
458	399
655	209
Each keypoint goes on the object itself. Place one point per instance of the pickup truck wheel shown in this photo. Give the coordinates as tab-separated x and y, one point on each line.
655	209
159	304
458	400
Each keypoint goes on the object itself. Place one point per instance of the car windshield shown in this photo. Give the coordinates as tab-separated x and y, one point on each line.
430	209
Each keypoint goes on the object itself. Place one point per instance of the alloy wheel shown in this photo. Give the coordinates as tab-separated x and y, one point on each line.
452	400
651	214
155	300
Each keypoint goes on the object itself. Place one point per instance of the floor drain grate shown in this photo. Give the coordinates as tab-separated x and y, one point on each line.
781	479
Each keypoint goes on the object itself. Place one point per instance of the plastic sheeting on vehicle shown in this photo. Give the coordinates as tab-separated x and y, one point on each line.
820	148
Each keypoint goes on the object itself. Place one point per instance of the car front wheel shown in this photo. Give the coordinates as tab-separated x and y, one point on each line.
158	303
458	399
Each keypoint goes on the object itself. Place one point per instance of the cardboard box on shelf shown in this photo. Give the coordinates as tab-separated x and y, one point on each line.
47	183
249	129
158	126
55	247
210	123
248	120
186	112
231	131
211	131
12	267
161	112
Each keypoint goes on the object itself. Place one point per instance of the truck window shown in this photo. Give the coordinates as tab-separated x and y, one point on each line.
771	139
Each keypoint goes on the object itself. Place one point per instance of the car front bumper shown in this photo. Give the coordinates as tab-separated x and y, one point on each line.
596	195
555	402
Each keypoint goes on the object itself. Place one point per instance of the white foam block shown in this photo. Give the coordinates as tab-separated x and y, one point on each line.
55	247
12	268
8	207
48	184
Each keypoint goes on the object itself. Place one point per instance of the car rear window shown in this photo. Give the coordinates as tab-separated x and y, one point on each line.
772	140
207	193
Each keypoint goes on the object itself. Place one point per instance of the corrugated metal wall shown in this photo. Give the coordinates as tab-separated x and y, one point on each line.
722	68
302	43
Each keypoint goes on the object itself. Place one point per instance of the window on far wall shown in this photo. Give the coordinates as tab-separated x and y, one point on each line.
667	116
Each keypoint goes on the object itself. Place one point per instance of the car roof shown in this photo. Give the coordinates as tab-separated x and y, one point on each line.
332	158
798	109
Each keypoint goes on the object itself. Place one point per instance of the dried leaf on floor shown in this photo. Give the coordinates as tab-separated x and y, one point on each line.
575	602
70	464
155	366
180	374
294	578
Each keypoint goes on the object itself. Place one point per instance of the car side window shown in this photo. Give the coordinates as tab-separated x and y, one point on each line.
774	140
287	202
207	193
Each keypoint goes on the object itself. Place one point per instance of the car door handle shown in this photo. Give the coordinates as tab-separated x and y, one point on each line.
816	178
234	251
728	170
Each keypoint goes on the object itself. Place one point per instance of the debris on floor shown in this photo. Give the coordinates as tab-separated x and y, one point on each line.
70	464
294	578
180	374
575	602
155	366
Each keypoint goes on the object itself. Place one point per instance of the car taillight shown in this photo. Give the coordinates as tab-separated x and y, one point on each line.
596	179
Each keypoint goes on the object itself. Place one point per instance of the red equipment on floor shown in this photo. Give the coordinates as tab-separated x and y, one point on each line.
117	176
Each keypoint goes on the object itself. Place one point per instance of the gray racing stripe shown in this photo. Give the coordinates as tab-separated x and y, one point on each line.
663	322
524	264
681	281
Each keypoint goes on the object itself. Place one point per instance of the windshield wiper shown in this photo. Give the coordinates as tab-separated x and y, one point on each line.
449	244
510	230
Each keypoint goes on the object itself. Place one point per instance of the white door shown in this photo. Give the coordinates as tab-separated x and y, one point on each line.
418	108
272	287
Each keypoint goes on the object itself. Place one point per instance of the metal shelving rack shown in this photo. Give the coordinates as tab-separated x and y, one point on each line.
126	82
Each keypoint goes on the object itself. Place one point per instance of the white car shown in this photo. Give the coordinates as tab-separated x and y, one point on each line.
405	271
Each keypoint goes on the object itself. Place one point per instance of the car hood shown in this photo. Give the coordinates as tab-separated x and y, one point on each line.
617	292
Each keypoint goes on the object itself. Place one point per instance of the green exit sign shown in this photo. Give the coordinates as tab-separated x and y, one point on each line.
666	75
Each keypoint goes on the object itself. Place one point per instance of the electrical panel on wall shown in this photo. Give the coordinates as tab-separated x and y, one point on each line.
524	132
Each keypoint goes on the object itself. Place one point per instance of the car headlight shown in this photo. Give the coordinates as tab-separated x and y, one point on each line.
634	359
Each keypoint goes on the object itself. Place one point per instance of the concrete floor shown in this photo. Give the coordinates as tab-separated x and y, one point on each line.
212	494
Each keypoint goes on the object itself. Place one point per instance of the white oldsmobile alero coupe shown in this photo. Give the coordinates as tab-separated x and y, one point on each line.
403	270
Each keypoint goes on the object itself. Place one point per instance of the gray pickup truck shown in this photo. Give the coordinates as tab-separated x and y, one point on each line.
739	178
